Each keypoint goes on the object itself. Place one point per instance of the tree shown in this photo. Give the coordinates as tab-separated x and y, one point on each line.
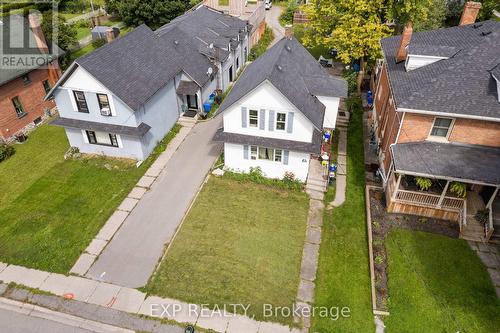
111	6
487	8
353	27
154	13
66	34
456	7
435	17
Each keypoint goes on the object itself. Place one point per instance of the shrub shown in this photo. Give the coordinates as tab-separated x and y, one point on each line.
423	183
460	189
6	151
97	43
261	47
351	77
287	15
482	216
255	175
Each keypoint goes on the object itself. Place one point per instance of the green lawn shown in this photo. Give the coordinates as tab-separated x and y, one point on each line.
241	243
437	284
51	208
82	32
343	278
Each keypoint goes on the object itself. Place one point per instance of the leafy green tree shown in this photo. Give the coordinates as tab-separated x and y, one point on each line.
154	13
456	7
435	17
66	34
111	6
353	27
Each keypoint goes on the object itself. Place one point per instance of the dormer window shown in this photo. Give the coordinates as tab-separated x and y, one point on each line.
81	102
441	127
104	104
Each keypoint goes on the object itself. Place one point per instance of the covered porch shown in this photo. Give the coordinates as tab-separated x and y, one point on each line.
462	184
189	93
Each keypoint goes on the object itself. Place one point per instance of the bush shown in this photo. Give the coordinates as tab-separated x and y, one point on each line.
261	47
255	175
351	77
423	183
83	24
97	43
6	151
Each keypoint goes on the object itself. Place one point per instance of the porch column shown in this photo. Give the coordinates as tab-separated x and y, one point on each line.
396	188
490	202
441	198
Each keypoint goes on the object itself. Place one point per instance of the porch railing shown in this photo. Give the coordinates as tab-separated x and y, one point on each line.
430	200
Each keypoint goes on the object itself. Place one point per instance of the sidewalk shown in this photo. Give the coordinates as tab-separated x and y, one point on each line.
133	301
341	178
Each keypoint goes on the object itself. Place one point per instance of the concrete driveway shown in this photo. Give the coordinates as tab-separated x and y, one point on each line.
133	253
272	20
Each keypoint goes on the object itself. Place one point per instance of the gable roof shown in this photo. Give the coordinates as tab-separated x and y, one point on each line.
461	84
13	31
291	69
134	67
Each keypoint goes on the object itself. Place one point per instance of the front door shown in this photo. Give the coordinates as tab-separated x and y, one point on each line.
192	102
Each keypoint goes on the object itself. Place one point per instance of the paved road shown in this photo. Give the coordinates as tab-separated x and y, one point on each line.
272	20
131	256
12	322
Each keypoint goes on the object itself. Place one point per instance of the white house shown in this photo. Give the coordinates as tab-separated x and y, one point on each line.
275	114
122	99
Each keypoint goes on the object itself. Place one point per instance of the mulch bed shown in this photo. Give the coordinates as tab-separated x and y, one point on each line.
382	223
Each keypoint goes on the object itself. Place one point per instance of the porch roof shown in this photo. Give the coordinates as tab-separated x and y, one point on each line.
138	131
187	88
460	162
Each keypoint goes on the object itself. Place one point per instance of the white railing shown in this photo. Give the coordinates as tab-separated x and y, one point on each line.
429	200
488	227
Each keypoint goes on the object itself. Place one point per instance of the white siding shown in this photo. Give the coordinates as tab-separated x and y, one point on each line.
417	61
298	163
331	110
267	97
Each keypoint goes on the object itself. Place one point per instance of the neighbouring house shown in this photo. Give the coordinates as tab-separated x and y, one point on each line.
24	86
122	99
252	11
276	112
105	33
437	116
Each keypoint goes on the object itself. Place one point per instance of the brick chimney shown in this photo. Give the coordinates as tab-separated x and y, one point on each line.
236	7
288	31
402	51
469	15
110	35
34	24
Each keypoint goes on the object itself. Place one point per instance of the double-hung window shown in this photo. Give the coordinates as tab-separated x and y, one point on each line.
266	153
253	152
253	118
441	127
104	104
18	107
100	138
280	121
263	153
278	153
81	102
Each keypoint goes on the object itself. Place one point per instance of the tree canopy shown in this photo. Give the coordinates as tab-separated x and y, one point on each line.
353	27
153	13
66	34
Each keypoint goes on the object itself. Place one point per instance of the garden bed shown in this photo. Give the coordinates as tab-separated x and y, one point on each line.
382	224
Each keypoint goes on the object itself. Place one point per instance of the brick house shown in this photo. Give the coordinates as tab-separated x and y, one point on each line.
22	90
436	115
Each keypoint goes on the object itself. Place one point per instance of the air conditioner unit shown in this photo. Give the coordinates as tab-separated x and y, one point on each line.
106	112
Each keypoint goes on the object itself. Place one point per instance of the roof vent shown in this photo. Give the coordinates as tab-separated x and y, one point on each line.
485	33
279	68
288	48
477	25
176	42
211	46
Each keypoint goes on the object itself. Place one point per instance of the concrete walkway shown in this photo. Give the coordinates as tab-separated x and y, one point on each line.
134	251
490	256
341	178
272	20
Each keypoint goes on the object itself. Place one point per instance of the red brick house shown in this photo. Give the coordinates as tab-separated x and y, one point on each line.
22	90
437	116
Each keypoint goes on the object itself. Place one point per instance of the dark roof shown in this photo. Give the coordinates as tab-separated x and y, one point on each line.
295	73
460	84
455	161
306	147
134	67
187	88
13	32
138	131
496	72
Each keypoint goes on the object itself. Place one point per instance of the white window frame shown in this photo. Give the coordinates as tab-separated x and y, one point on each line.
250	118
254	153
276	121
437	137
255	150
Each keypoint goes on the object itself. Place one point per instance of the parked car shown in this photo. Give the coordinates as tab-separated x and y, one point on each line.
268	4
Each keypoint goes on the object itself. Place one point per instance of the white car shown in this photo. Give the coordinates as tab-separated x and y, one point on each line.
268	4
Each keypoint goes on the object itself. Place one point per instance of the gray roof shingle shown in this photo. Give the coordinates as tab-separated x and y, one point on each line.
456	161
134	67
295	73
460	84
138	131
